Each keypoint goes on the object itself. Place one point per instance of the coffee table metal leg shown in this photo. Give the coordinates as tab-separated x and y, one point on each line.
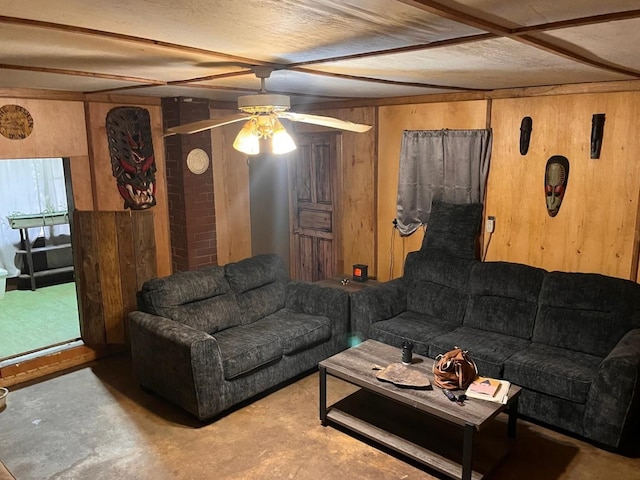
323	395
467	451
513	418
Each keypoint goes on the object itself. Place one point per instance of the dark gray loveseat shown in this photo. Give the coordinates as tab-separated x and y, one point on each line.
571	340
211	338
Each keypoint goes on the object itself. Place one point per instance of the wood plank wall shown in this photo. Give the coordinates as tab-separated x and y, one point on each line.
105	192
58	130
358	172
596	229
76	129
114	254
392	248
231	193
357	209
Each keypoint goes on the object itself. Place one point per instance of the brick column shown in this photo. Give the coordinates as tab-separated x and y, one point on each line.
192	218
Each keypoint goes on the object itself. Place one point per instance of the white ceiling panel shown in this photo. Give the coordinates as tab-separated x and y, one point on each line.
340	42
536	12
597	40
73	51
490	64
269	30
52	81
291	82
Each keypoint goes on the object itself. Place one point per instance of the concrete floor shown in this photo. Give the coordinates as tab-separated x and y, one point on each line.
95	423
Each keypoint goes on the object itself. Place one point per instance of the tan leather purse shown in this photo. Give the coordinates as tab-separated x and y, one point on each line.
454	370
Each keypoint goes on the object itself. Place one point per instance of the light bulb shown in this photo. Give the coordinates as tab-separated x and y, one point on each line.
281	141
247	141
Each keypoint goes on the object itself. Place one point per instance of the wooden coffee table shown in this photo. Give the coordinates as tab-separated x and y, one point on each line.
421	424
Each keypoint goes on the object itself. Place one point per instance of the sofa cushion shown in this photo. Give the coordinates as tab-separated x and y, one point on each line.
488	349
259	283
583	312
209	315
415	327
295	331
553	371
183	287
242	351
504	298
453	228
254	272
201	299
437	285
260	302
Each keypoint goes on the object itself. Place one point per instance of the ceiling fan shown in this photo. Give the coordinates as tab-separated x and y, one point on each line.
261	113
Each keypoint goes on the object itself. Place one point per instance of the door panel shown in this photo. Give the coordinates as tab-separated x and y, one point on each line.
313	200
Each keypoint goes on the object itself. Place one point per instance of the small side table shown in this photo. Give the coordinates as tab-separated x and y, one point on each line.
351	287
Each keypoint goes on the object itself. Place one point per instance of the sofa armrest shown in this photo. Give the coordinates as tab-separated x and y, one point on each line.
375	303
178	362
614	398
314	299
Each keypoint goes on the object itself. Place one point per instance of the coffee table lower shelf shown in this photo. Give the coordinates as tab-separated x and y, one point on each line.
422	438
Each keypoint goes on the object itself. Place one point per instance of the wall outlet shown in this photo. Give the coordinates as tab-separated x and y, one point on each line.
491	224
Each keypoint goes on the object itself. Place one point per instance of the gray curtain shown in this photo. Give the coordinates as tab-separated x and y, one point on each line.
446	165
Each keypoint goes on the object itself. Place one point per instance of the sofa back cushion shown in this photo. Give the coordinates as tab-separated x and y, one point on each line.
201	299
437	284
453	228
585	312
259	283
504	298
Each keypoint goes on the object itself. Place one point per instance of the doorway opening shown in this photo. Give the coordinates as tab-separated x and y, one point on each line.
38	300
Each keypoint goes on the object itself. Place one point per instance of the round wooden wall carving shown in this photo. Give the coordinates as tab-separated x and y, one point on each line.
16	123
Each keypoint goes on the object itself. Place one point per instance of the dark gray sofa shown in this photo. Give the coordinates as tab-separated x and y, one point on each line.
211	338
571	340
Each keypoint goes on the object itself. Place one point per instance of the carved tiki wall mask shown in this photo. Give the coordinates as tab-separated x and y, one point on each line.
132	158
555	183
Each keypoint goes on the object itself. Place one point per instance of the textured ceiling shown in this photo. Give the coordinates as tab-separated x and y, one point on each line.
321	50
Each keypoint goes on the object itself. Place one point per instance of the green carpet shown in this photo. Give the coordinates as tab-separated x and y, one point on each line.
34	320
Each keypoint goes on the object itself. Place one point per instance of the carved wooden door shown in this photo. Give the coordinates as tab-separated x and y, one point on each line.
313	206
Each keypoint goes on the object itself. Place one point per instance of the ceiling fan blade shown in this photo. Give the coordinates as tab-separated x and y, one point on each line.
325	121
201	125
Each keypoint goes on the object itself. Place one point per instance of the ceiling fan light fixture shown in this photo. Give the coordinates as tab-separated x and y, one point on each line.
281	141
247	141
264	103
264	128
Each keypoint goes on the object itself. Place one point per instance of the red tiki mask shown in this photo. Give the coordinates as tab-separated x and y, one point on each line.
555	182
132	159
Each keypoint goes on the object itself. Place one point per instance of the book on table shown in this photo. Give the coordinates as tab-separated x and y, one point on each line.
491	389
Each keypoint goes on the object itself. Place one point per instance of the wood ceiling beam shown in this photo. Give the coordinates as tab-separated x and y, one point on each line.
493	30
577	22
458	16
80	73
211	87
391	51
211	77
381	80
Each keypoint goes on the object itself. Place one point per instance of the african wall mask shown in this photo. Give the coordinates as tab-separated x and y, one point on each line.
555	183
132	159
525	134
